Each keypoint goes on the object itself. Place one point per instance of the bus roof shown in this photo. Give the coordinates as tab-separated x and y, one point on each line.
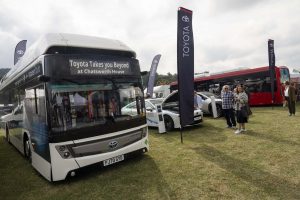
73	40
238	72
49	40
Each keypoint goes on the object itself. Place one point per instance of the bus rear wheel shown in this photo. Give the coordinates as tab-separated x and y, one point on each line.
27	149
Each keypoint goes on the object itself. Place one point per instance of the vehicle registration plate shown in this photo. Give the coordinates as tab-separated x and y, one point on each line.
113	160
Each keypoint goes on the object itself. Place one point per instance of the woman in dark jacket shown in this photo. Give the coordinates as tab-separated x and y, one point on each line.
241	100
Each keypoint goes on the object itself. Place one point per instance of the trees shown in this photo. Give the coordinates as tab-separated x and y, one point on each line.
160	79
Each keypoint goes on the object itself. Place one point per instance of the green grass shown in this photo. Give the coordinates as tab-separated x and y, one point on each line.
212	163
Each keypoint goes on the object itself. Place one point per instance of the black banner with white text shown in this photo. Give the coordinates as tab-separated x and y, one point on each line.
185	66
152	75
271	55
19	50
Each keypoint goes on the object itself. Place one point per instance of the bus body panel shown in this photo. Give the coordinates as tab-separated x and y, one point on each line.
61	167
88	160
255	98
41	165
18	144
256	80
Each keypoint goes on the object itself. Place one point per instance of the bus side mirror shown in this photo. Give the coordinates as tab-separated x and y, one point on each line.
44	78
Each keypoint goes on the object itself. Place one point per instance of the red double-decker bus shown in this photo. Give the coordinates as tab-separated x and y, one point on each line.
257	82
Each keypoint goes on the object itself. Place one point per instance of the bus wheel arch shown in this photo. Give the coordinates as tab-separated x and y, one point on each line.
27	148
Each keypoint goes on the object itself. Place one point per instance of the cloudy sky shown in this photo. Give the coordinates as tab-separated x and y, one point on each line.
227	33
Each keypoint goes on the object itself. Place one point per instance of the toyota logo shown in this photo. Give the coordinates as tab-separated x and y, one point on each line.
113	144
20	52
185	18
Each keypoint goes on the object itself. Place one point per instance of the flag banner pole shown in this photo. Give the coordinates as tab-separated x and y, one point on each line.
181	138
152	75
271	55
19	50
185	67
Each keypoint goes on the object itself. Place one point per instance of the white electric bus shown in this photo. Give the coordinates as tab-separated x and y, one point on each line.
67	92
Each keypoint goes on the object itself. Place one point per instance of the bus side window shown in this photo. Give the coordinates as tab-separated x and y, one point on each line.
40	99
35	101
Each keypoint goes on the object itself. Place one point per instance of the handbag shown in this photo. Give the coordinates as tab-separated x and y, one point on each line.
244	112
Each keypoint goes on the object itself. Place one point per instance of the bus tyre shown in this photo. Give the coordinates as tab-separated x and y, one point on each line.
27	149
7	134
169	124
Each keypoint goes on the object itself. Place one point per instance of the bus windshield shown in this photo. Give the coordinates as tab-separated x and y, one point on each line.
284	75
80	104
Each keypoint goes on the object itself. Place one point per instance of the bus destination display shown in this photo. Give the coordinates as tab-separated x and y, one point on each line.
96	67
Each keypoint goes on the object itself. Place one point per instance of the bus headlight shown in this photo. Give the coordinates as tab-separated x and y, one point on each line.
64	151
62	148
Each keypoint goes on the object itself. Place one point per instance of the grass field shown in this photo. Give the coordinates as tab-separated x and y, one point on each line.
212	163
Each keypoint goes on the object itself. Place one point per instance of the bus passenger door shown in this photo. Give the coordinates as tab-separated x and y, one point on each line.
35	123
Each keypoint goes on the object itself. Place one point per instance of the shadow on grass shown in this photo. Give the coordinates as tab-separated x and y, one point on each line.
251	120
273	185
271	138
206	133
133	179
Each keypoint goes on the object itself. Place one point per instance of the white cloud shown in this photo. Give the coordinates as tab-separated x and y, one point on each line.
227	34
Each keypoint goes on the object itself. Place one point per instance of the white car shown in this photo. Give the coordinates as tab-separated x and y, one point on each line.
170	112
13	119
206	104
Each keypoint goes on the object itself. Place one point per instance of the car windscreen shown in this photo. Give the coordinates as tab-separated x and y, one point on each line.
209	94
156	101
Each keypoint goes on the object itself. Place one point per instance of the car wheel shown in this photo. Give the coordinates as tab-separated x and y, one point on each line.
27	149
169	124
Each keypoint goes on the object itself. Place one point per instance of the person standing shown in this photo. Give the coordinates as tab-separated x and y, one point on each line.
241	99
227	105
249	112
113	107
286	93
292	100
